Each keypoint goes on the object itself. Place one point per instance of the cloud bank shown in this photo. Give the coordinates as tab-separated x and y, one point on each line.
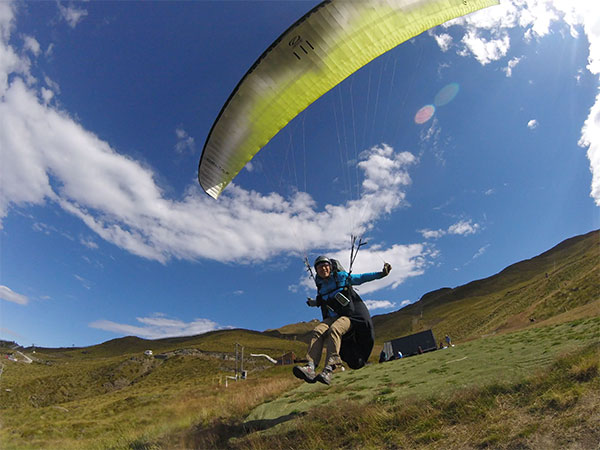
158	326
48	157
11	296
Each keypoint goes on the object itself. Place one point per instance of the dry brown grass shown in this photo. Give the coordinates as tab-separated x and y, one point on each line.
217	415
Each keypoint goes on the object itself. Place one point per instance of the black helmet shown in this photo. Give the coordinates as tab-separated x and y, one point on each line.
322	260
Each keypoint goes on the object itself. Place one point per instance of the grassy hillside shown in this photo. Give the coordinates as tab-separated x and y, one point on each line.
562	280
297	331
473	364
133	401
214	341
555	407
112	394
536	388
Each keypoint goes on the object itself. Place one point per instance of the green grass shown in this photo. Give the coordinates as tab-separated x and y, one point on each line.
129	401
506	358
555	407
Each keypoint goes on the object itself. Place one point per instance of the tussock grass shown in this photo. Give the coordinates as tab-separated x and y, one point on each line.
557	407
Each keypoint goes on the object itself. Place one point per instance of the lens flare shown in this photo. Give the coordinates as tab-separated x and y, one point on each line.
424	114
446	94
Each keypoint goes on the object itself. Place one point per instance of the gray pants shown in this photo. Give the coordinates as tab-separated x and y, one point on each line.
329	333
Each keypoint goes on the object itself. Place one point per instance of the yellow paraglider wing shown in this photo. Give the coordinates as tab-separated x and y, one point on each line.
332	41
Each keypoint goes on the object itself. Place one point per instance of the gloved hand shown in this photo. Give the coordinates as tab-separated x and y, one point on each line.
311	302
387	268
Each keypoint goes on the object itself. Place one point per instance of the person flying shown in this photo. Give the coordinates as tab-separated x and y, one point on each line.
346	330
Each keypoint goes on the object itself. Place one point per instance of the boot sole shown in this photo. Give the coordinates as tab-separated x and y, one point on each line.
322	380
300	374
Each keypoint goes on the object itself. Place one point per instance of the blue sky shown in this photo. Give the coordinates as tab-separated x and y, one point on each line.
105	107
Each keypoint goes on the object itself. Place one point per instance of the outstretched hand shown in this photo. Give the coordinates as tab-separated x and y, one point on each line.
387	268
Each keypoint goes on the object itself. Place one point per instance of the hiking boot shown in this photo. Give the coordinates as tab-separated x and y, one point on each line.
306	373
324	377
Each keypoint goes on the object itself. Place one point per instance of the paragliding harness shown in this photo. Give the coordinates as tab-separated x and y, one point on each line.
341	303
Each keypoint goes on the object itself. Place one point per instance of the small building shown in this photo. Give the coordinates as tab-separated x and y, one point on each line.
286	359
413	344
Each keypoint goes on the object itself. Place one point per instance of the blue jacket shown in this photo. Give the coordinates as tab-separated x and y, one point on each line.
337	282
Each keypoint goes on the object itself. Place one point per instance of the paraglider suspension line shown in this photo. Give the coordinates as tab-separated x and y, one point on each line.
356	245
309	268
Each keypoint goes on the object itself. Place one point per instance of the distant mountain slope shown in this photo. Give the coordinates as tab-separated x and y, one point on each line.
565	281
219	341
561	284
297	331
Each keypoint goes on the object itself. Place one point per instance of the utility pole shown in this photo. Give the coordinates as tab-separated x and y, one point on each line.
236	360
239	374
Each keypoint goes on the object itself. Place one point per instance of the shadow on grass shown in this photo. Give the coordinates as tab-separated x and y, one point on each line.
264	424
220	434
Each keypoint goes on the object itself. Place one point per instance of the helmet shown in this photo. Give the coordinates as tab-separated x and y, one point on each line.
322	260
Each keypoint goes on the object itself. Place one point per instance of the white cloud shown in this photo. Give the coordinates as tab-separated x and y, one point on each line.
485	50
462	228
511	65
481	251
444	40
47	95
430	140
53	85
84	282
385	171
119	199
185	143
32	45
587	14
432	234
404	303
590	137
89	243
485	36
379	304
158	326
71	14
532	124
49	51
11	296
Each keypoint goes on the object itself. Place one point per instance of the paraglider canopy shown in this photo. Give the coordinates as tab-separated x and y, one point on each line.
332	41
